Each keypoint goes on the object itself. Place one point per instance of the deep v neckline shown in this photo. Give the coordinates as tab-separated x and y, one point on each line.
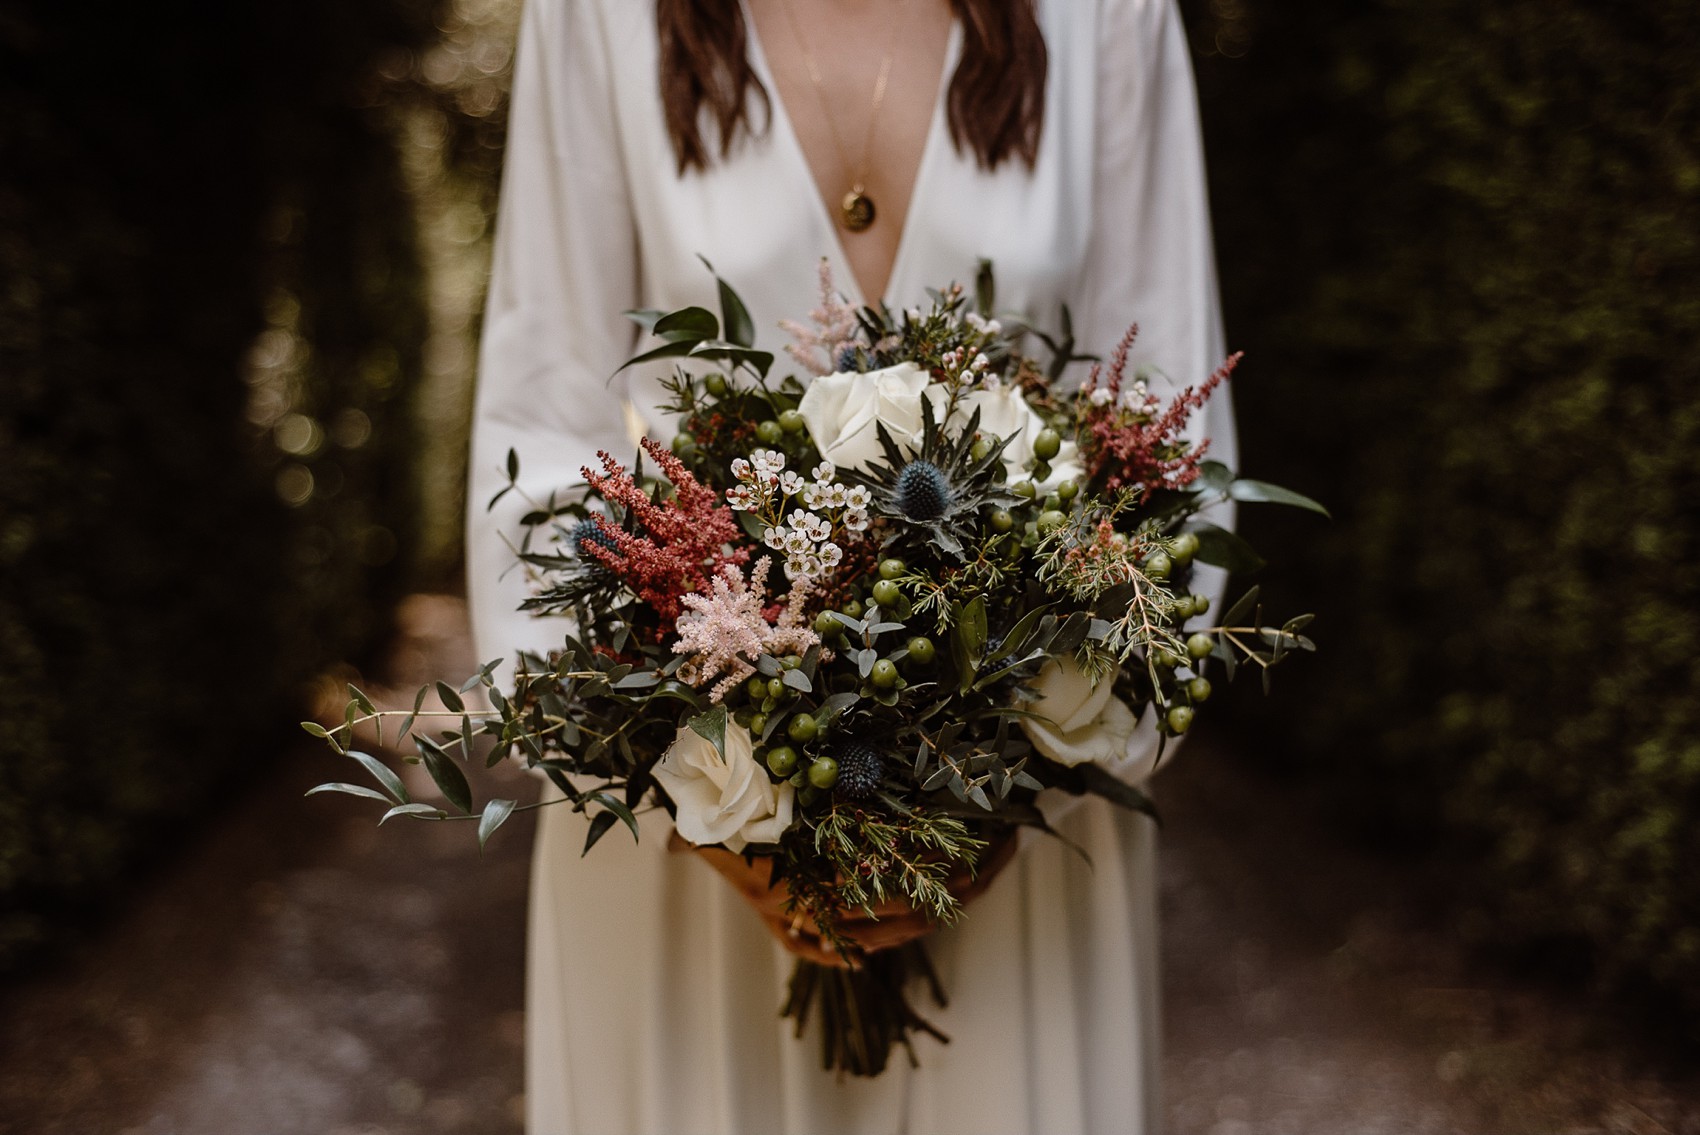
781	122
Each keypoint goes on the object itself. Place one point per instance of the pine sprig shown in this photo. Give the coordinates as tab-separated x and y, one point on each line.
909	856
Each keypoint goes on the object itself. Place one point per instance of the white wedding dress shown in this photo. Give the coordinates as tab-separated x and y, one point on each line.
653	990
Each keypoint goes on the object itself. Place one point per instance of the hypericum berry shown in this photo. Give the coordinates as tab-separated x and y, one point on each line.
1046	444
1200	645
923	492
883	674
782	760
823	772
1200	604
715	384
768	432
886	593
859	770
791	421
802	728
922	650
1185	547
1158	565
892	568
1198	689
1179	718
1002	520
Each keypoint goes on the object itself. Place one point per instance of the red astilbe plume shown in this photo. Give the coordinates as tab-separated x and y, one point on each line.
681	542
1126	442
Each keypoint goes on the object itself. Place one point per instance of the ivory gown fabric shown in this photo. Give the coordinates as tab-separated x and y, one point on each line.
652	990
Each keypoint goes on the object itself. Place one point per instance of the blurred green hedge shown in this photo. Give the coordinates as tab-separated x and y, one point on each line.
208	323
1461	244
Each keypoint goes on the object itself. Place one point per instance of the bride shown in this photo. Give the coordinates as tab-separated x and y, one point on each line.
901	140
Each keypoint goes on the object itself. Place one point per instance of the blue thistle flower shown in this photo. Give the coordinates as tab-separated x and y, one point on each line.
846	360
923	491
587	531
859	770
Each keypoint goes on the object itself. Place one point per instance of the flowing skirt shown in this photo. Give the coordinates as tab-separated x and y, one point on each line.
653	997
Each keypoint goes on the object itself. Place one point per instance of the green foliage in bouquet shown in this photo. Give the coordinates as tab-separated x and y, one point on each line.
857	674
1498	234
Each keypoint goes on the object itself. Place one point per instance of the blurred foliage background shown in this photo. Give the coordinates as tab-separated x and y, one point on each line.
243	250
1461	246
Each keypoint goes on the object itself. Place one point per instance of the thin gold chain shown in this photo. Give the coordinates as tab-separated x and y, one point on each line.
856	171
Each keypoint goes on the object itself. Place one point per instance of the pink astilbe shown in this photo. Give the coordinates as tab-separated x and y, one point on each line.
1126	442
680	543
724	629
834	329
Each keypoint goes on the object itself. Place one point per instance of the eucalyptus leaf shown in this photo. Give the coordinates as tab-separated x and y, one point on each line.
599	825
360	699
1222	548
350	790
711	727
495	814
698	322
1214	476
618	808
429	811
446	773
1241	609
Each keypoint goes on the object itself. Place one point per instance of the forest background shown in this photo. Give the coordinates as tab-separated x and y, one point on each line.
241	260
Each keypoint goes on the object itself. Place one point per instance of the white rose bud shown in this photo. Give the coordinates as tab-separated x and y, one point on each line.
731	801
1083	722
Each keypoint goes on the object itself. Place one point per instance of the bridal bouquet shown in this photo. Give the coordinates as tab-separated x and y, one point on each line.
850	630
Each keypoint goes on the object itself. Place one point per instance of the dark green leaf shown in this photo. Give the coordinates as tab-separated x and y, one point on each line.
711	727
798	680
450	698
513	466
696	322
382	774
1222	548
599	825
446	773
1241	609
619	809
1263	492
361	700
407	722
665	351
645	317
740	328
495	814
1213	476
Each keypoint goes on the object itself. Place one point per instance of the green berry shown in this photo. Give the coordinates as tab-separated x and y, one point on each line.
802	728
1041	470
853	608
1179	719
807	794
742	716
825	624
683	443
715	384
1047	444
783	760
757	687
1200	604
1025	489
1158	566
775	688
1052	502
922	650
1185	546
1164	660
1200	645
758	722
791	661
891	569
1183	607
883	675
980	450
791	421
1068	490
886	593
1198	689
1002	520
768	432
823	773
1051	519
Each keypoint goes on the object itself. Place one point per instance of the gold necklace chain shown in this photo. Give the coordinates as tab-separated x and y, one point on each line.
856	210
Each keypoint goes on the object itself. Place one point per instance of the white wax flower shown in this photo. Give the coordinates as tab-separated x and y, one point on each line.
730	801
1085	722
843	412
1005	413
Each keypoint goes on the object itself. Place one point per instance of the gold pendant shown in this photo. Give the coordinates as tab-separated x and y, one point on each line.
856	210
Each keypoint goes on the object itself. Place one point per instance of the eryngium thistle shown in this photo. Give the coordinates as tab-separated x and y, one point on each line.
923	491
587	531
859	770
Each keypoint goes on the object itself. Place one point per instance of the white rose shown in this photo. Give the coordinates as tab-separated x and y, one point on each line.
1083	721
843	412
731	801
1005	413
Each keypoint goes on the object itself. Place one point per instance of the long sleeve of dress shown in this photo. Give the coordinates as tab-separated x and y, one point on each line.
1152	258
565	266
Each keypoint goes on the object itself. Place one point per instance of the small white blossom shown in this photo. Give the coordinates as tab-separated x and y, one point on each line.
790	483
774	538
767	462
1100	396
824	471
858	498
797	541
741	469
740	498
981	362
831	555
811	525
856	520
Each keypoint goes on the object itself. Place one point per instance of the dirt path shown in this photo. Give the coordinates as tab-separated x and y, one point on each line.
299	973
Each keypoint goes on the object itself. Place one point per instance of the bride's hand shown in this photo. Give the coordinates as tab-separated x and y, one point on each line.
894	922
